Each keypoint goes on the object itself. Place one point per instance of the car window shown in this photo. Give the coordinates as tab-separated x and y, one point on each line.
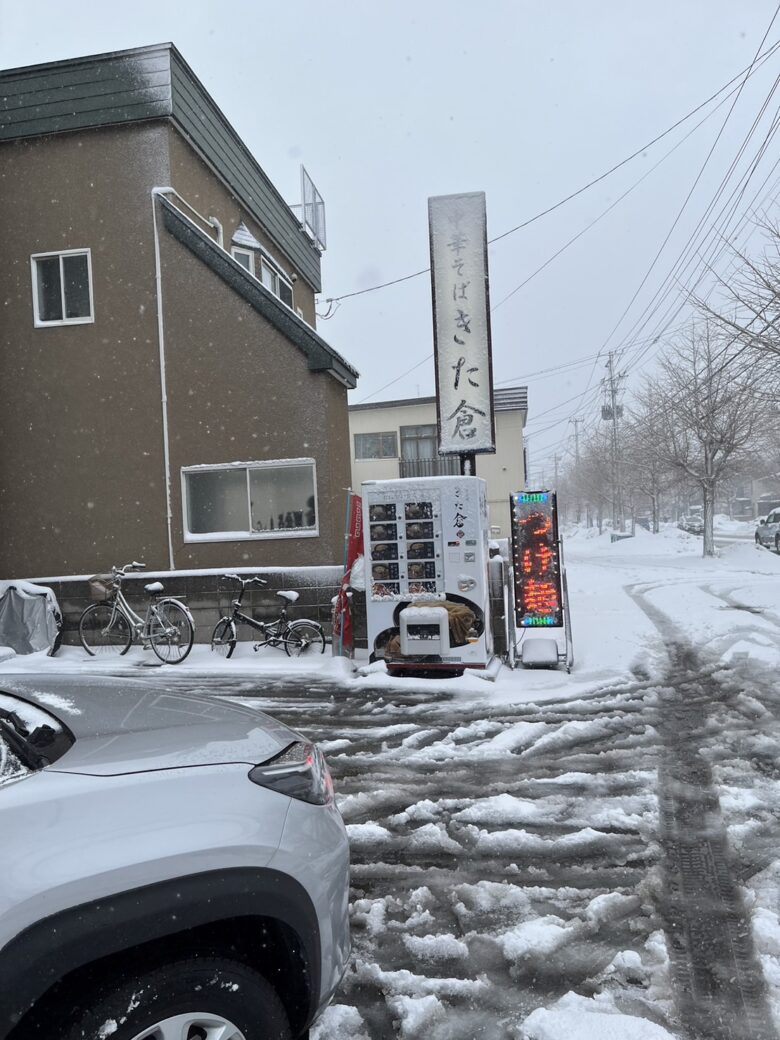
31	736
11	768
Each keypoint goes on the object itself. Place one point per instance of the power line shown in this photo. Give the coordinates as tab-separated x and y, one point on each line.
750	70
691	190
653	339
593	222
581	190
661	293
612	205
707	262
397	379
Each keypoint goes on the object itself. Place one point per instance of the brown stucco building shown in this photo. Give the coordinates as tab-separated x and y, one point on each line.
164	395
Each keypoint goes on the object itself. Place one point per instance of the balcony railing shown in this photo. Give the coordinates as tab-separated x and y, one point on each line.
442	466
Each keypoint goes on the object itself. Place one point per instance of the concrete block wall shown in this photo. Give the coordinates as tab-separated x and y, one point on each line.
209	596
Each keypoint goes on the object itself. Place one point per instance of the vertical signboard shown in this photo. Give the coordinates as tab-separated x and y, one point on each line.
537	559
461	323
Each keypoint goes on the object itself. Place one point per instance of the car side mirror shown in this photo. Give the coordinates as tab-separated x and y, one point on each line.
762	521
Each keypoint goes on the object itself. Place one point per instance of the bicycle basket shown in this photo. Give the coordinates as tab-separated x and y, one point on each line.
102	587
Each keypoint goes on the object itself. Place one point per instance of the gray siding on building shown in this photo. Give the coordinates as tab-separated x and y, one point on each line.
151	83
85	93
196	115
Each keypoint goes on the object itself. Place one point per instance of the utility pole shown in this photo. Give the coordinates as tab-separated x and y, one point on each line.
577	464
577	438
556	460
618	518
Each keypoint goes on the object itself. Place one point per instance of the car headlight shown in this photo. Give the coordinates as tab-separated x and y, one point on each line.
300	771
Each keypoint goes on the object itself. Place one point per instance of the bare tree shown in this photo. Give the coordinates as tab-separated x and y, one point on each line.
750	313
646	468
709	412
593	475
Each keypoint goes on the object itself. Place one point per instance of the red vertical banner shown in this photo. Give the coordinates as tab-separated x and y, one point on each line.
343	636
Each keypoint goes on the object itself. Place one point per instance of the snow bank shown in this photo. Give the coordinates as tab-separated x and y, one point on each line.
579	1018
762	897
414	1014
340	1020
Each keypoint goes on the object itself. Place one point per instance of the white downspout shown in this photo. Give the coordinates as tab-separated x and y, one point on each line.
163	380
220	231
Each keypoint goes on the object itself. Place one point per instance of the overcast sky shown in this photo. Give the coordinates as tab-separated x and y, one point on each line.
389	104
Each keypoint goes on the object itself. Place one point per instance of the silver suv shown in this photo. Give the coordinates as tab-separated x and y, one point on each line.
768	531
172	865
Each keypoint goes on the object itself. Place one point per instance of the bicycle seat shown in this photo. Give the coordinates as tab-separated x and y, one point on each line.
154	588
290	596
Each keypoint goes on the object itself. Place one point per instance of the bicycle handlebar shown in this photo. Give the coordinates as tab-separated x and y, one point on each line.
134	566
245	581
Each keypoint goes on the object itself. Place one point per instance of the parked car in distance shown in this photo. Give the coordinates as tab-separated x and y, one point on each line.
693	524
173	865
768	531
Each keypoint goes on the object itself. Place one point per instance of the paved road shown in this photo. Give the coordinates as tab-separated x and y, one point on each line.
504	856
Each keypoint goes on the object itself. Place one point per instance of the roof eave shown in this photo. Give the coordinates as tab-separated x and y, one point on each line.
320	355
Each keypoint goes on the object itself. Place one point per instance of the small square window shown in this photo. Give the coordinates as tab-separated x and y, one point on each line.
285	293
246	258
62	288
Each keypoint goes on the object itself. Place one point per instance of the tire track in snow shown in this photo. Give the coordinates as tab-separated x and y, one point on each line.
720	989
502	856
493	914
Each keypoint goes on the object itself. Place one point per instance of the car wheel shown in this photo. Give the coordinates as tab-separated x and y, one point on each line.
185	1000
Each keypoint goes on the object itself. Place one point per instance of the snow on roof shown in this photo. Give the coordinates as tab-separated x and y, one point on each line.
242	236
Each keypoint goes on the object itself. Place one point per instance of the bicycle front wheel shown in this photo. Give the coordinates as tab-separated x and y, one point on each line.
170	631
304	637
223	641
103	630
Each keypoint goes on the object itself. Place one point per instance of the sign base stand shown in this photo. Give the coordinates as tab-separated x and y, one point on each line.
539	653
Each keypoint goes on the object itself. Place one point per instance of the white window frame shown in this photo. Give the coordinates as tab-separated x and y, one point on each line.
376	433
60	253
277	276
244	252
245	536
258	257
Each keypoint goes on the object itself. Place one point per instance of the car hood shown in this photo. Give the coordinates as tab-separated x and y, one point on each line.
123	726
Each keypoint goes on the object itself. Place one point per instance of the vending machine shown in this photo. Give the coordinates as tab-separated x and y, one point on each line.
427	591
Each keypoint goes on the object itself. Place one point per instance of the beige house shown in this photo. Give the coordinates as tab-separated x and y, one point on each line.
399	439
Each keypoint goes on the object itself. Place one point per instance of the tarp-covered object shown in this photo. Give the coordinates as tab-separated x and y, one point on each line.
30	617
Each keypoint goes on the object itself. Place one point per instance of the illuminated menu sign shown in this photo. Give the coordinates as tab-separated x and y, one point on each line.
537	563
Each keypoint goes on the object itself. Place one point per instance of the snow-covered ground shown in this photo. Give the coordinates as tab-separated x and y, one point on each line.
522	849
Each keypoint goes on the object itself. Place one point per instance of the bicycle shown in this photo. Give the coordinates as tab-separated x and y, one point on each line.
297	637
110	625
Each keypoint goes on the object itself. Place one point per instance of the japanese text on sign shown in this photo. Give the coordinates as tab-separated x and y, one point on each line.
464	380
536	552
